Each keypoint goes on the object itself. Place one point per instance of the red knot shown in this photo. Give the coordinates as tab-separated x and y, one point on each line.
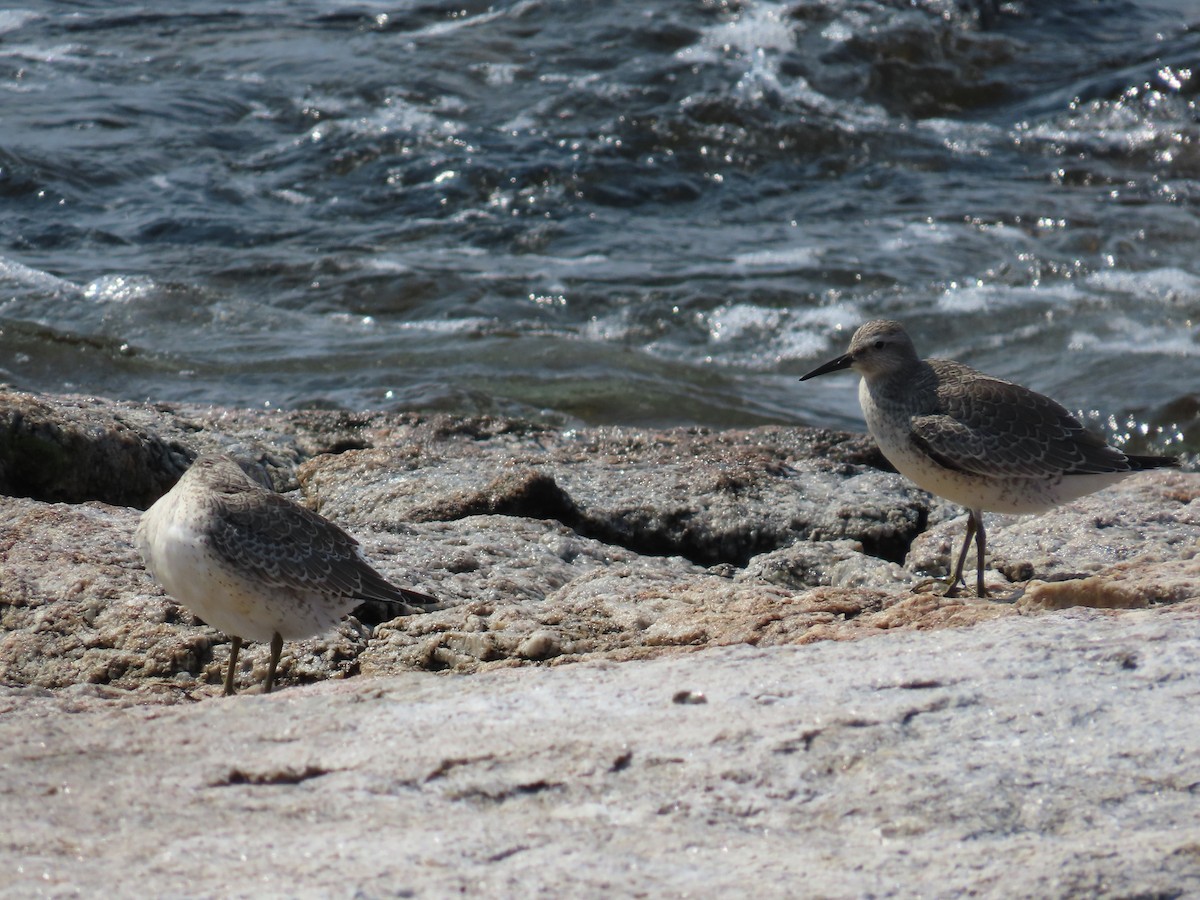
975	440
255	565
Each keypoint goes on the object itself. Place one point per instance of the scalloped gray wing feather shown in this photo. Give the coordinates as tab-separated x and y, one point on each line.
998	429
281	543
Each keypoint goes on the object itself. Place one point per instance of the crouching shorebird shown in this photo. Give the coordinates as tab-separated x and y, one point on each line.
253	564
978	441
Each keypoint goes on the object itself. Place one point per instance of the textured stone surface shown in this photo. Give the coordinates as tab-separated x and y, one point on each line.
711	497
1051	756
553	547
646	679
74	449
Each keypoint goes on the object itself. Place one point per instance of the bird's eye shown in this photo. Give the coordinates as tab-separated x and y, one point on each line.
879	345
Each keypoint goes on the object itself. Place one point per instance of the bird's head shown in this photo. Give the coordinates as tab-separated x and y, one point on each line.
877	348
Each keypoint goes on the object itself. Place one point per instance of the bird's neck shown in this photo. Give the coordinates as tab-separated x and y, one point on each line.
899	386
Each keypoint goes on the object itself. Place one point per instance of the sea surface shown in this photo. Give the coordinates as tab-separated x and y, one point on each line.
658	212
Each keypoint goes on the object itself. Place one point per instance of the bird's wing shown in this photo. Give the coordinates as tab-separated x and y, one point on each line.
281	543
1002	429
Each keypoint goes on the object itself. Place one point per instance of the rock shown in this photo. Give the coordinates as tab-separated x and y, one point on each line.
555	547
1135	584
74	449
542	644
671	687
804	564
709	498
1048	756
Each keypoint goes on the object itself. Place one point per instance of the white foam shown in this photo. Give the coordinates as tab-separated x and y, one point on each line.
757	37
610	329
759	338
354	321
906	235
499	74
60	53
757	26
118	288
780	258
964	138
807	336
1126	336
385	264
470	325
398	115
16	19
1140	118
978	296
1170	285
463	20
27	276
296	198
731	322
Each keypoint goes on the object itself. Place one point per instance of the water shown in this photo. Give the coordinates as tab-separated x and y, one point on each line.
642	212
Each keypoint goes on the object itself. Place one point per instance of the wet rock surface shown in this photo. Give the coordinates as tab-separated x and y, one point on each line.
620	562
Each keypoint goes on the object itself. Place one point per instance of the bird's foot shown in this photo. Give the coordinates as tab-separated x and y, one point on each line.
949	587
929	585
1016	595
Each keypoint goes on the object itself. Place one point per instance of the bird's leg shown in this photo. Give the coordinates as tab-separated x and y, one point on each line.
276	650
981	547
235	646
952	584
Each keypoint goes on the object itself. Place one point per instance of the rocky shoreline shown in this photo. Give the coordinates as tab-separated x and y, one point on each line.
557	555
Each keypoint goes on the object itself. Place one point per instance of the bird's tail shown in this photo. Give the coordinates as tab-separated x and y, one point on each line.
1138	463
383	605
416	598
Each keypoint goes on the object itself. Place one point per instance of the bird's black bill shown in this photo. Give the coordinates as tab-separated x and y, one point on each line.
834	365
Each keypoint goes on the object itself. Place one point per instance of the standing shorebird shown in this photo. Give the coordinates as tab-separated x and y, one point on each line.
253	564
978	441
